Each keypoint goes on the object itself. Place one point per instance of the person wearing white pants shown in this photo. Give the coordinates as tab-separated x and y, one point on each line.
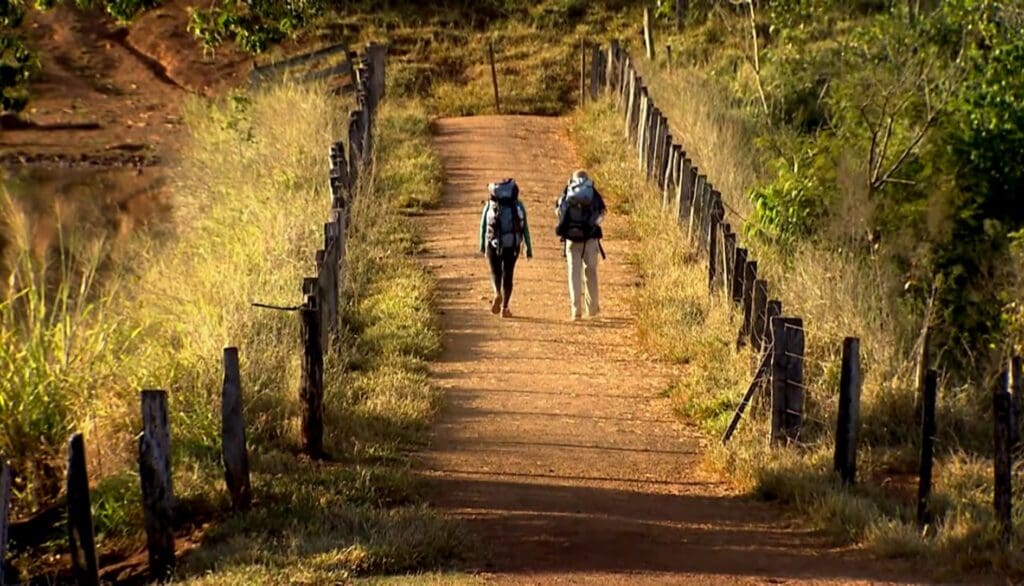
580	210
583	292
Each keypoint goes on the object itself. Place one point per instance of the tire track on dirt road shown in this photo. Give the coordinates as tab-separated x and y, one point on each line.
556	447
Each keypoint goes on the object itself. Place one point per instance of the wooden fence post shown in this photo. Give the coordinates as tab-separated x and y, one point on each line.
848	420
693	225
778	386
1017	402
81	539
653	132
795	347
5	514
494	77
787	379
671	174
648	33
739	265
714	223
924	487
355	146
758	314
583	73
596	66
1002	404
155	477
311	392
641	126
376	55
749	276
233	446
685	191
682	11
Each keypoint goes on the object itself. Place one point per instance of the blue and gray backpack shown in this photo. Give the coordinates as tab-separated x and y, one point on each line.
577	214
504	225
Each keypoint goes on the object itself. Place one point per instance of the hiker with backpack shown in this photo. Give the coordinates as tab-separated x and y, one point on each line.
580	211
503	231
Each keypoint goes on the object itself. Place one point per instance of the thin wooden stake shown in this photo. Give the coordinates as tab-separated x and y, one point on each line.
81	539
494	77
155	477
848	421
311	393
1002	404
234	453
5	514
924	488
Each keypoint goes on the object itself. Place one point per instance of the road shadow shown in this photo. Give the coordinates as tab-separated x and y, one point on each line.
527	525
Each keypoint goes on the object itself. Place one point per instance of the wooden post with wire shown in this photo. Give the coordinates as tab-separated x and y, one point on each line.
787	379
848	420
494	77
924	487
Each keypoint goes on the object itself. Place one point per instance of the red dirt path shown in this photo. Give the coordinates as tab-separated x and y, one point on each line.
557	448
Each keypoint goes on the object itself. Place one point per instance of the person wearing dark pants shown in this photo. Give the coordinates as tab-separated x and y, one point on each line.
503	231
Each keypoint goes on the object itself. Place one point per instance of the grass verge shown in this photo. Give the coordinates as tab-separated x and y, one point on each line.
677	318
249	203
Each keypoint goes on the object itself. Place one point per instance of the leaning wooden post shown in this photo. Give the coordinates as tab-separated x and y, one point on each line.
648	33
5	513
848	421
311	392
1002	408
233	447
81	539
924	487
494	77
155	477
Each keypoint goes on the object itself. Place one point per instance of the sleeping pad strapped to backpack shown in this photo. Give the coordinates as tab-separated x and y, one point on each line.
504	224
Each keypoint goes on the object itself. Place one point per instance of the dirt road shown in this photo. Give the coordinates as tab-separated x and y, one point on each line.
556	447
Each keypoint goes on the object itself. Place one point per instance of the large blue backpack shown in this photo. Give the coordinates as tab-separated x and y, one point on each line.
504	225
577	214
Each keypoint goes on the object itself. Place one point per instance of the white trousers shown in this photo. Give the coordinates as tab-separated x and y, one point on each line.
582	260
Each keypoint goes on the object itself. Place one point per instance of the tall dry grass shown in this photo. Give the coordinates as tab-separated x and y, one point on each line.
838	293
249	203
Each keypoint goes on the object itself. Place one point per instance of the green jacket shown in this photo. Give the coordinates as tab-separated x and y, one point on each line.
522	216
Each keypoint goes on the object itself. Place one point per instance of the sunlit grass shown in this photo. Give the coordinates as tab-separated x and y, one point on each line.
250	201
838	295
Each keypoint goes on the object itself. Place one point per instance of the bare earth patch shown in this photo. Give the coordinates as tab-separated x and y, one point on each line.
557	447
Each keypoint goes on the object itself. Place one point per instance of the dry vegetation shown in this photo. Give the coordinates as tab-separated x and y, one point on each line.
838	295
249	204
